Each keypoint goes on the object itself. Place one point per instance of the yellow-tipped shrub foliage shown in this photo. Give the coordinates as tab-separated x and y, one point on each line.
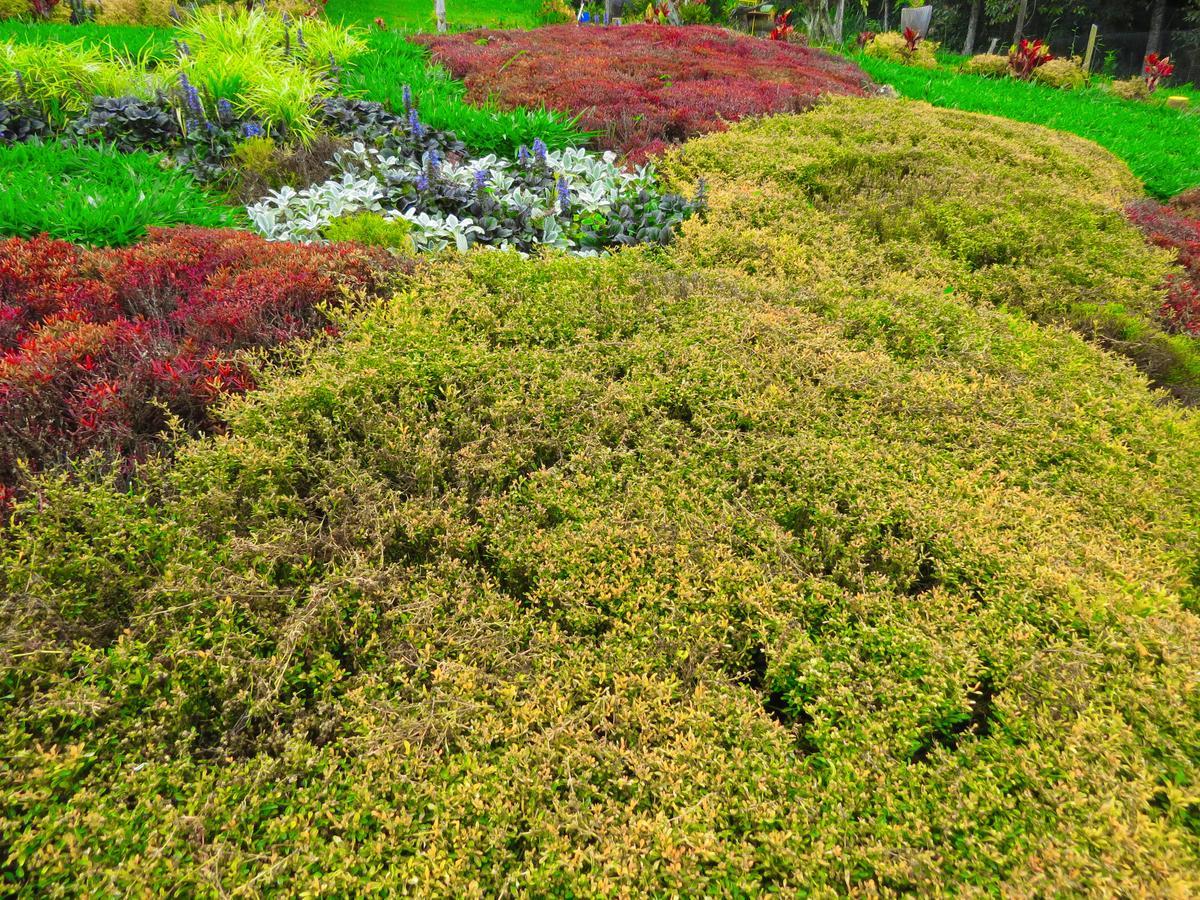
892	45
797	559
1131	88
1061	72
992	65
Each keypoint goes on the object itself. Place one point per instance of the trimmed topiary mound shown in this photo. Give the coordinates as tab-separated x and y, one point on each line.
643	86
783	560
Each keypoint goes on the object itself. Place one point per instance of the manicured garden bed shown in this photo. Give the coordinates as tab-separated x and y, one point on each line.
812	512
808	554
642	87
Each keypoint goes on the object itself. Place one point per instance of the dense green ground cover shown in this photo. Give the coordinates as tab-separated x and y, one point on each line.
96	196
131	40
811	553
1160	145
417	15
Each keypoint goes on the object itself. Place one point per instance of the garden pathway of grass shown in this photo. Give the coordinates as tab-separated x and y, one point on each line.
1160	145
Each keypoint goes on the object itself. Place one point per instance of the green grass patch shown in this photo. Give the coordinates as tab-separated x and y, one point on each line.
96	196
393	62
1160	145
417	15
133	41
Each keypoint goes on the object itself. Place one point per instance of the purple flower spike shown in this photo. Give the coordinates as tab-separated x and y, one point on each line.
564	194
406	93
523	155
422	183
481	180
252	129
539	151
414	125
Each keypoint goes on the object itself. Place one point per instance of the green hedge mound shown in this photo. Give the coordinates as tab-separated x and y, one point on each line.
1000	212
1161	145
775	562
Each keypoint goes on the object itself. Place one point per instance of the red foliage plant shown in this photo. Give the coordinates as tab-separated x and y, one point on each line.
99	349
1172	229
783	27
911	39
641	86
1157	68
1027	56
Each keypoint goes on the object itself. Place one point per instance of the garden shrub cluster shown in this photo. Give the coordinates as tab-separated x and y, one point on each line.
641	87
775	562
911	51
232	75
570	200
106	349
1161	145
1177	230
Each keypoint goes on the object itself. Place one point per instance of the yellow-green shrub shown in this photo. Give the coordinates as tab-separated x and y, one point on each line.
891	45
373	230
1061	73
991	65
14	9
1130	88
776	563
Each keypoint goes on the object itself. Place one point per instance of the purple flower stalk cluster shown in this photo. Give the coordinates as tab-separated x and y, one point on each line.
414	124
523	155
193	108
539	151
481	180
564	194
252	129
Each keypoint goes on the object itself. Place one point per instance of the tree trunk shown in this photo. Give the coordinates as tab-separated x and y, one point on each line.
886	9
839	21
972	27
439	10
1158	22
1022	11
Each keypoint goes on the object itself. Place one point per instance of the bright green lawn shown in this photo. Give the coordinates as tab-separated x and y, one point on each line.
418	14
1160	145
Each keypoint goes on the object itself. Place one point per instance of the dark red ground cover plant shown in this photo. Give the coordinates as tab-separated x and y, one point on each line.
1174	229
101	349
640	87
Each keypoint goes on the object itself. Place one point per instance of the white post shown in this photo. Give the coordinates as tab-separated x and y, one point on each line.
439	10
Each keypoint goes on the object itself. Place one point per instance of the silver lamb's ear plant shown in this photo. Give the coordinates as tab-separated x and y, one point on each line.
487	201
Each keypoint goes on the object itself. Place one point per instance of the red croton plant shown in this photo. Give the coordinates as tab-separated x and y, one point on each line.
1027	56
1157	68
783	26
100	349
